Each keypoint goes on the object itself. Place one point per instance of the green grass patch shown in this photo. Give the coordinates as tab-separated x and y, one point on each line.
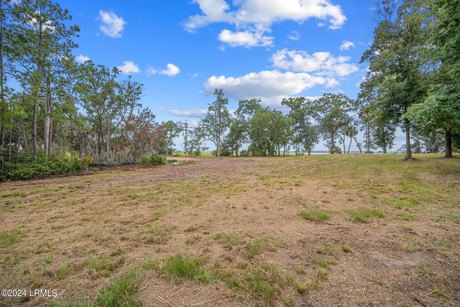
121	291
406	203
265	283
10	237
65	270
185	267
255	248
452	217
411	247
405	217
325	262
363	215
105	266
13	194
345	248
324	249
315	215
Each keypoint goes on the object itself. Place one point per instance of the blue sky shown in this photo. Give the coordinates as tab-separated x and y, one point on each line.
182	50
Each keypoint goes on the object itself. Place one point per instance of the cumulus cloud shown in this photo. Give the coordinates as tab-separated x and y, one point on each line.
346	45
128	68
245	38
171	70
271	86
112	25
254	18
82	59
262	14
319	63
193	113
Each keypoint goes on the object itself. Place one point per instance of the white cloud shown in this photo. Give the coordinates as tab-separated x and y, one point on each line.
346	45
262	14
271	86
171	70
193	113
82	59
112	25
245	38
128	68
320	63
254	18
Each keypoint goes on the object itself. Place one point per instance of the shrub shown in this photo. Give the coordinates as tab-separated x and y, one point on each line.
156	159
65	164
145	160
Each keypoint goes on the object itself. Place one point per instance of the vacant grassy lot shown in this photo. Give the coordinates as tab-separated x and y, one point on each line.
297	231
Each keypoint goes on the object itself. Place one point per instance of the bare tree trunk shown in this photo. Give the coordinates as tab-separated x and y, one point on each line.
408	145
218	146
332	143
368	138
9	146
47	121
448	153
357	145
34	126
349	145
50	138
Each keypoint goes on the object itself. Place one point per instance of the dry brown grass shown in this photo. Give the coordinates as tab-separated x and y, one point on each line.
240	218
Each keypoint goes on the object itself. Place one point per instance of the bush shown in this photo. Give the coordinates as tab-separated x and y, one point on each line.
145	160
154	159
32	169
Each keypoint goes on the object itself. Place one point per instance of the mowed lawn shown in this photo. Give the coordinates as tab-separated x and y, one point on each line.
350	230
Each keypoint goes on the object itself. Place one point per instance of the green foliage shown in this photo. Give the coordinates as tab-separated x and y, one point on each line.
171	130
154	159
216	121
396	78
301	113
269	130
333	113
144	160
66	164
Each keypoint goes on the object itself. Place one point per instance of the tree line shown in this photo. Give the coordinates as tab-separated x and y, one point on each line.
412	83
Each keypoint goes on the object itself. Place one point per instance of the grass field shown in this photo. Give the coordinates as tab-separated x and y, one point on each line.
324	230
